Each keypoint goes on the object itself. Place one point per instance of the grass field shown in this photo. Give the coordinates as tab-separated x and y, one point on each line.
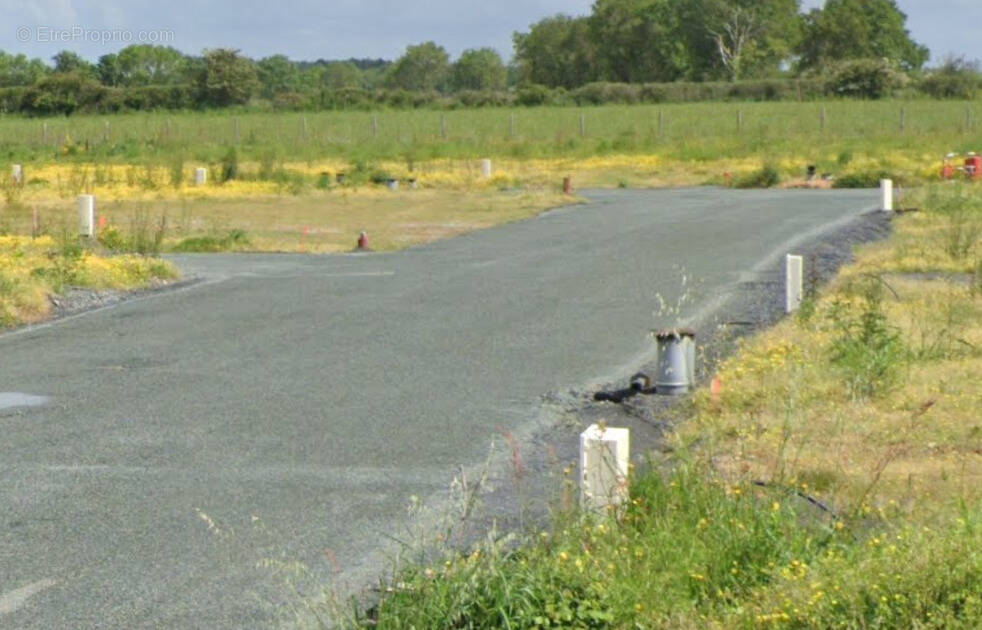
285	195
702	131
312	223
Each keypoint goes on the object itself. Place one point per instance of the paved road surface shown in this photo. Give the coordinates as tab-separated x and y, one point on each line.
288	408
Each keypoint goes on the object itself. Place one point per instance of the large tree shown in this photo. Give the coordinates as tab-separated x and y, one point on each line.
68	62
19	70
341	74
480	69
145	64
225	78
735	39
422	67
637	40
558	52
853	29
277	75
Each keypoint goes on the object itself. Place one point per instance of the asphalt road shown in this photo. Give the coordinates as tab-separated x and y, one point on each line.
162	461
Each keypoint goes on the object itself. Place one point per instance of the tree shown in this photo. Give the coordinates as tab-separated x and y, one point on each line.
422	67
278	75
557	52
341	74
479	69
637	40
225	78
734	39
68	62
109	70
144	64
855	29
19	70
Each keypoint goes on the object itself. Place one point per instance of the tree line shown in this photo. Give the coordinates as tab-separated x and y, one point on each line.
623	51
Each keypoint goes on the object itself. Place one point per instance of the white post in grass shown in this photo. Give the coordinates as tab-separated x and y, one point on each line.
17	174
200	176
86	215
604	456
794	283
886	192
486	169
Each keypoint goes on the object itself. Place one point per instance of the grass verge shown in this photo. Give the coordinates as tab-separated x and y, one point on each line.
831	481
33	269
314	223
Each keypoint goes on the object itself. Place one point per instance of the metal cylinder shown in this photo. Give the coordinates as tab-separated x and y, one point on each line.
200	176
393	184
486	169
17	174
676	361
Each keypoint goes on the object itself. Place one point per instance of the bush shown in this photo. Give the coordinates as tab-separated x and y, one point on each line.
963	214
867	179
865	78
62	94
604	93
766	177
868	351
234	239
533	95
955	79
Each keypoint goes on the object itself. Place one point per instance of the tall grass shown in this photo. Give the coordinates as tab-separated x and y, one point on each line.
693	551
690	131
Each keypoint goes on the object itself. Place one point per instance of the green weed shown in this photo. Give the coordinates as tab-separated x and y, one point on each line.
766	177
868	351
234	239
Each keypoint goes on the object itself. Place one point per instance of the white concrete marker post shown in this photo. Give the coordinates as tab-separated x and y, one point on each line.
886	192
794	283
86	215
17	174
486	169
200	176
604	456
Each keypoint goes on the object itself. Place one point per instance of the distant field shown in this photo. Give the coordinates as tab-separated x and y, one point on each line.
286	196
701	131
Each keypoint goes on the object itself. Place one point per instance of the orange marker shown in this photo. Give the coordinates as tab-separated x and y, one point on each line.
716	388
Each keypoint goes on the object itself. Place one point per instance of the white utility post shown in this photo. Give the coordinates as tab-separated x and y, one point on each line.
86	215
200	176
886	192
604	457
486	169
794	282
17	174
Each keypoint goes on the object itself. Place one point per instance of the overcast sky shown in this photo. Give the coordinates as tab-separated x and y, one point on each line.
338	29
